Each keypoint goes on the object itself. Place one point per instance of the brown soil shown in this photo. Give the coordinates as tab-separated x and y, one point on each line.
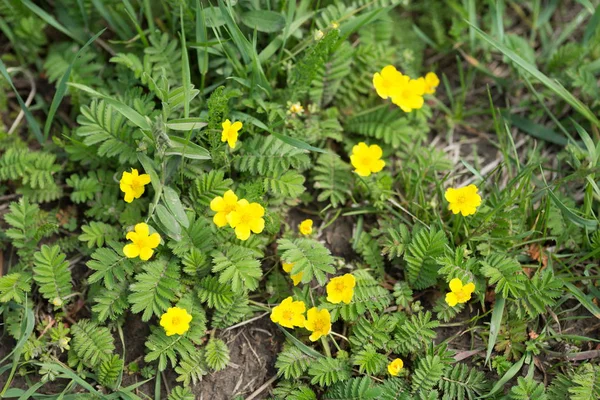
253	351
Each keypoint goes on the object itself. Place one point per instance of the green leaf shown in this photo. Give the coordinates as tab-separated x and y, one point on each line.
571	216
168	221
61	88
309	257
495	324
186	124
263	20
237	268
185	148
171	199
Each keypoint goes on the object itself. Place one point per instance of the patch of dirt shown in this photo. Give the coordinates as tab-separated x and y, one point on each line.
253	350
135	332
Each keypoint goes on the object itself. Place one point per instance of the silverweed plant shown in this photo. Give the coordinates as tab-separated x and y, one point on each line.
335	199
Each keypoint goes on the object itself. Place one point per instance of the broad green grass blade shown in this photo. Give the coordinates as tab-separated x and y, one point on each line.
309	351
535	130
28	116
68	373
512	371
26	330
590	29
495	324
201	37
185	69
50	20
61	88
124	109
551	84
571	216
583	299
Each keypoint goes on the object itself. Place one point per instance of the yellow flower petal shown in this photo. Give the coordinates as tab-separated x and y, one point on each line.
451	299
142	229
131	250
455	285
220	219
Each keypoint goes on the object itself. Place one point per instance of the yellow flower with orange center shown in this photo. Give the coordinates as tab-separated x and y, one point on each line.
296	278
367	159
318	322
388	82
289	313
143	242
132	184
459	293
176	321
431	82
246	217
410	95
395	367
305	227
463	200
223	206
230	132
341	288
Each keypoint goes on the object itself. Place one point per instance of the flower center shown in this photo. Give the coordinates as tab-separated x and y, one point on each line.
245	218
176	320
135	184
319	325
365	160
461	200
288	315
340	287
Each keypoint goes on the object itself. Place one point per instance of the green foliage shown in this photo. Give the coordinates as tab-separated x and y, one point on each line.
35	169
415	333
191	368
292	363
333	178
369	361
327	371
24	231
109	370
269	155
528	389
356	388
208	186
84	189
232	313
425	246
586	383
155	288
506	273
97	233
428	372
51	272
15	287
217	354
110	265
374	333
92	344
181	393
462	382
308	256
166	348
216	295
237	268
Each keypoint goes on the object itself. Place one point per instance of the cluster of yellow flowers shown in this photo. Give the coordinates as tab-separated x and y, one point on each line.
290	313
244	217
405	92
176	320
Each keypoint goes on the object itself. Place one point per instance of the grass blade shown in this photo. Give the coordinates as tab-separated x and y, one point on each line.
583	299
495	324
551	84
61	88
301	346
50	20
185	69
28	116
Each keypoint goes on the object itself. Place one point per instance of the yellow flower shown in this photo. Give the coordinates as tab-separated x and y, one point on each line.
223	206
464	200
246	217
366	159
431	82
340	289
395	366
459	293
296	278
295	108
318	322
410	96
388	82
143	243
176	321
57	301
132	184
289	313
305	227
318	35
230	132
335	25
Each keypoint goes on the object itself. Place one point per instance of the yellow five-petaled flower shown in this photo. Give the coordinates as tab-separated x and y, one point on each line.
367	159
395	366
410	95
388	82
246	217
223	206
230	132
289	313
464	200
459	293
296	278
143	242
132	184
176	321
341	288
431	82
305	227
318	322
